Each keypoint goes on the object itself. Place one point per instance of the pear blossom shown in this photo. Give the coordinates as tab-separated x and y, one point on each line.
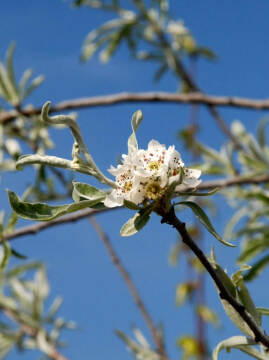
145	175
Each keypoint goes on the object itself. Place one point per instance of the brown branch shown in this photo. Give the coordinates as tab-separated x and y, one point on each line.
125	97
237	180
33	332
171	219
35	228
82	214
130	284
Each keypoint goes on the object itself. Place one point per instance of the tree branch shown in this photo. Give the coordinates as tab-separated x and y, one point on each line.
130	284
234	181
207	185
125	97
171	219
35	228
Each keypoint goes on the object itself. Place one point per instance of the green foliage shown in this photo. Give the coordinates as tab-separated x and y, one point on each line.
238	342
43	212
249	222
151	34
23	292
12	92
139	347
137	222
189	346
135	122
148	30
203	218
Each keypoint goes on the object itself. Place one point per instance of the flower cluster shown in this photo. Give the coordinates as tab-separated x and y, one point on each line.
146	175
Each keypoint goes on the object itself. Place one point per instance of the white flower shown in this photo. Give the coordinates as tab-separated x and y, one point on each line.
145	175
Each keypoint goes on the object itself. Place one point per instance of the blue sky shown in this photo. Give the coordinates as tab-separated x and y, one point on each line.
49	35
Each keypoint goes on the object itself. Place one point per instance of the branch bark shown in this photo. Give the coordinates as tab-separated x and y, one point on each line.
125	97
130	284
171	219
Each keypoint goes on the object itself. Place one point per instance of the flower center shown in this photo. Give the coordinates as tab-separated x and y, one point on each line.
154	165
153	190
128	186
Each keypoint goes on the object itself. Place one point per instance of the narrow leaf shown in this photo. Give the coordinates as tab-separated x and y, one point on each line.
263	311
43	212
231	342
261	132
193	193
130	205
9	62
136	120
21	269
135	224
203	218
257	268
88	192
34	84
6	255
18	255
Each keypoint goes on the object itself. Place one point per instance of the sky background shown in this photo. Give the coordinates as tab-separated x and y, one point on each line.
49	35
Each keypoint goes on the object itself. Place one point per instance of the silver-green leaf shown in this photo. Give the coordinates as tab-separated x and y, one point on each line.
43	212
203	218
232	342
136	120
88	192
135	224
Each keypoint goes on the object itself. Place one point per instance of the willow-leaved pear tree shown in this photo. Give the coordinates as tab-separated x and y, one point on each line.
151	181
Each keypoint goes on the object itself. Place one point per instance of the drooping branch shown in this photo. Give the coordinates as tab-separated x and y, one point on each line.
207	185
125	98
171	219
130	284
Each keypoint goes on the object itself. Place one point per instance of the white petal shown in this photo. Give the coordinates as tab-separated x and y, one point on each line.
172	158
191	182
115	171
137	197
181	187
173	179
113	199
192	173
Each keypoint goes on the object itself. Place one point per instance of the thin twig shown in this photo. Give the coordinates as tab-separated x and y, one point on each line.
171	219
125	97
48	349
130	284
234	181
207	185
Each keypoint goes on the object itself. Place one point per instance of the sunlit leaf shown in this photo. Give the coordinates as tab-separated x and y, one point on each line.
136	120
88	192
43	212
232	342
208	315
203	218
136	223
257	268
